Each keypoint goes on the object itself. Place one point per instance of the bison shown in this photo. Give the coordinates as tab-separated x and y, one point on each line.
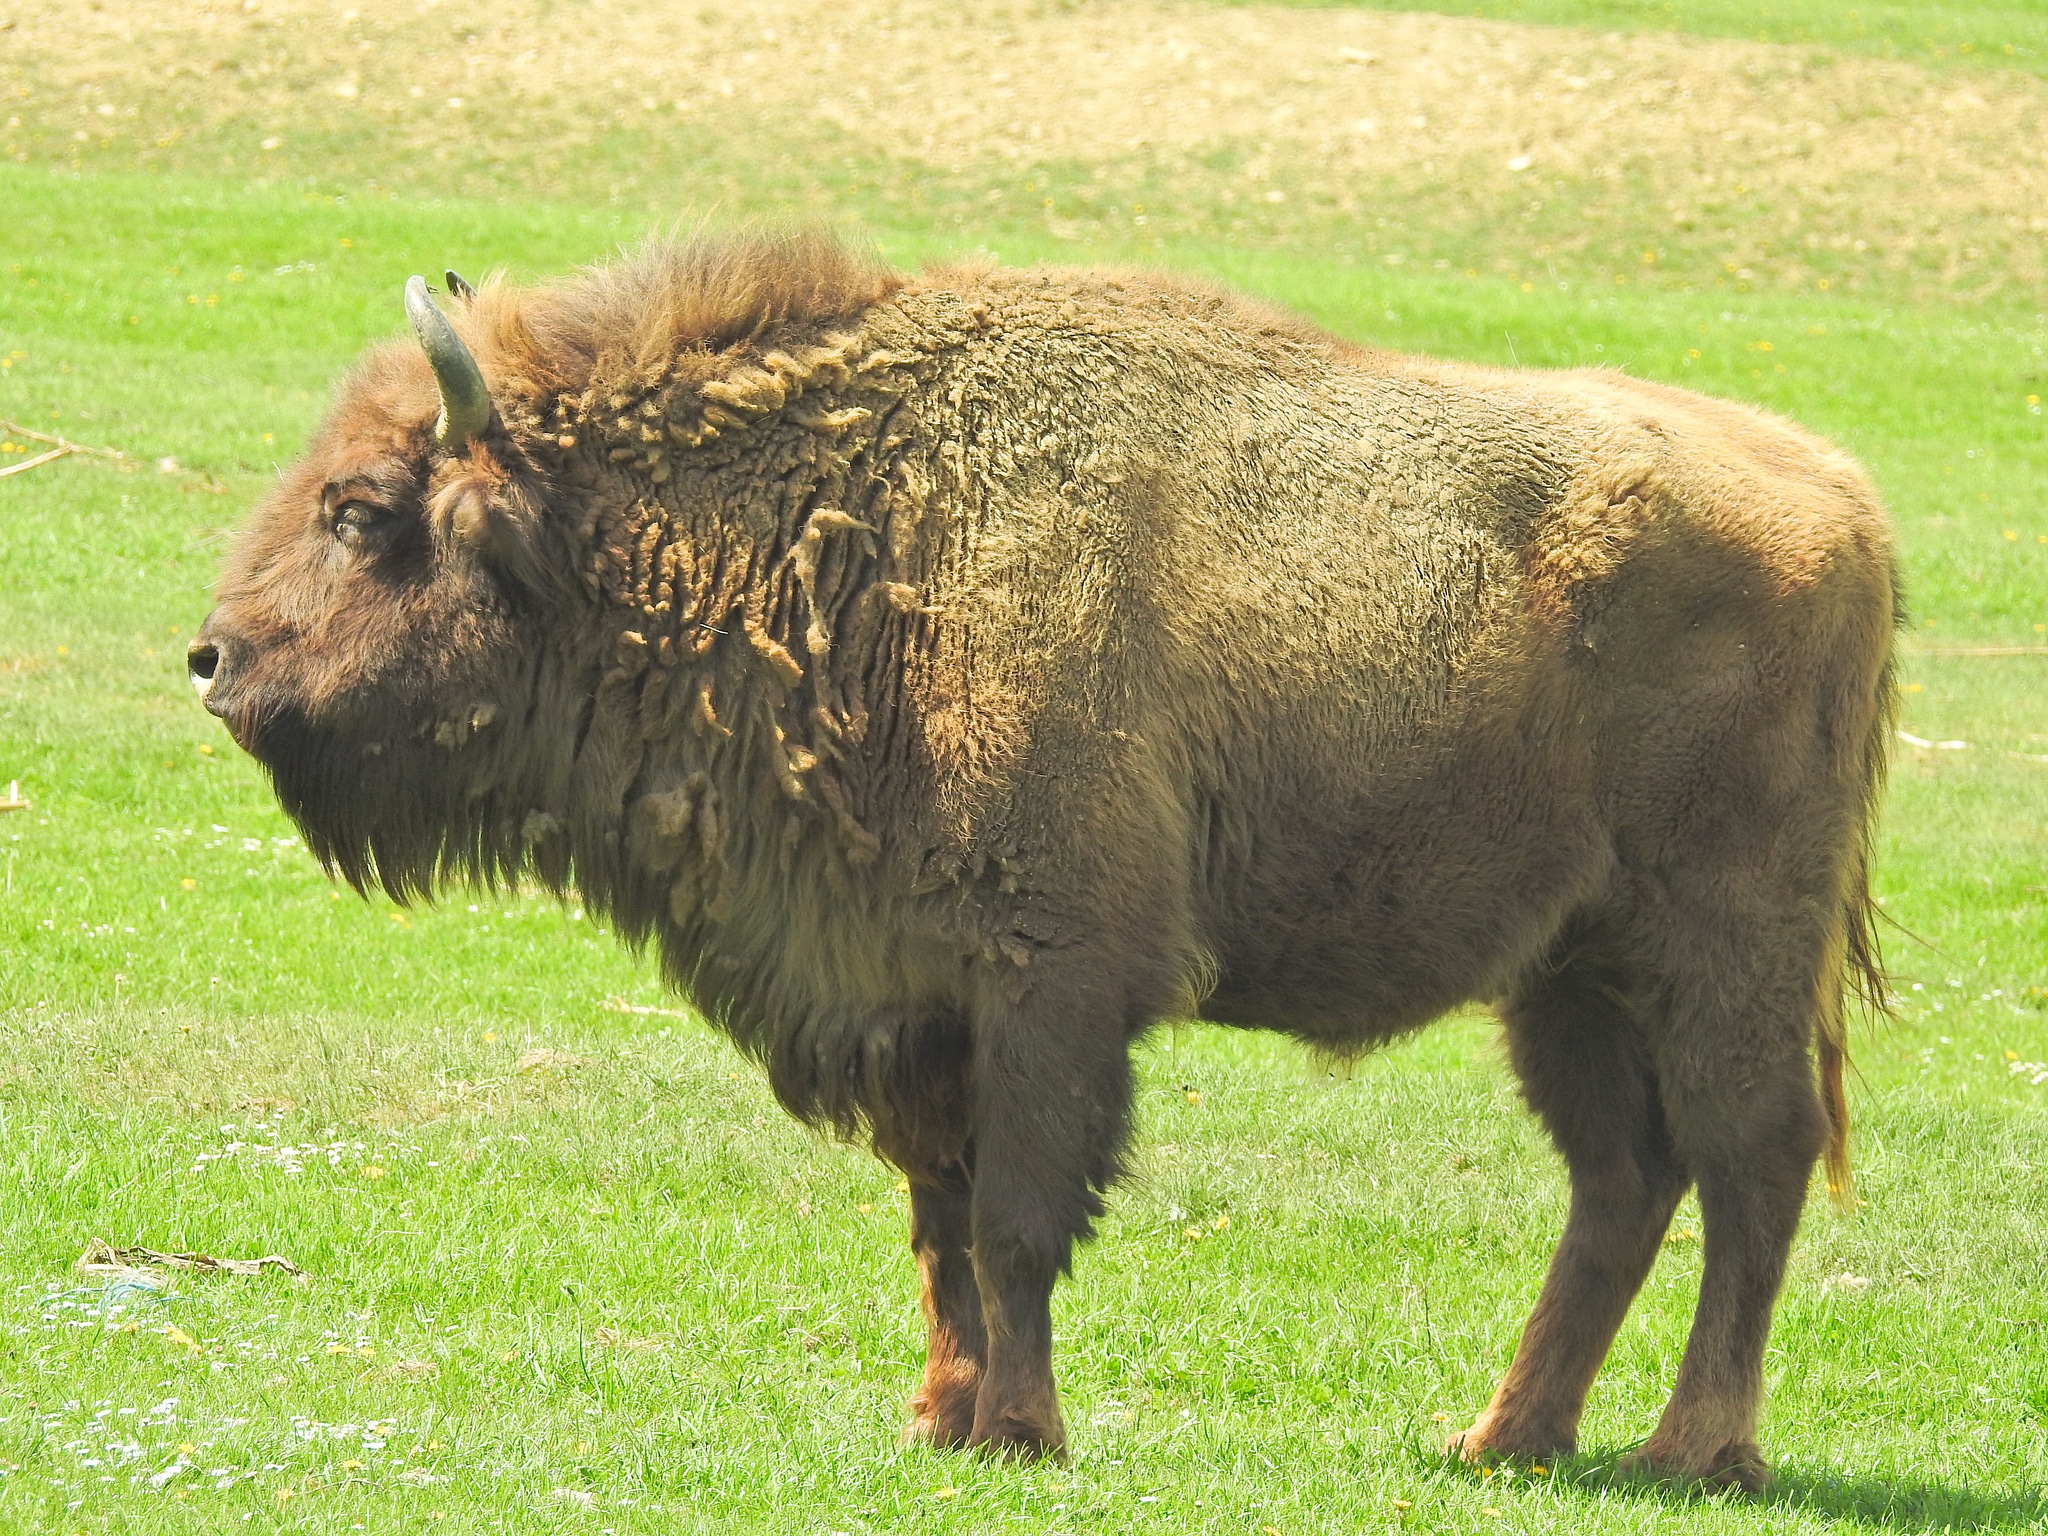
955	676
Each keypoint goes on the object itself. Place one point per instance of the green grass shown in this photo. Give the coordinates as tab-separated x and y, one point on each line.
1999	33
620	1277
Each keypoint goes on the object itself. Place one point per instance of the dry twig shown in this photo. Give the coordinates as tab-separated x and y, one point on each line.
620	1005
64	446
103	1258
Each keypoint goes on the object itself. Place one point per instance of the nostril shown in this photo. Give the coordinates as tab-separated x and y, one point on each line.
202	659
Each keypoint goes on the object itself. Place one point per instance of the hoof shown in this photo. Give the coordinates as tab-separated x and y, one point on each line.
1011	1440
941	1426
930	1429
1738	1464
1494	1438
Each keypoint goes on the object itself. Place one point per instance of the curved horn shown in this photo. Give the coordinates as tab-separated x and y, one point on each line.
457	288
465	398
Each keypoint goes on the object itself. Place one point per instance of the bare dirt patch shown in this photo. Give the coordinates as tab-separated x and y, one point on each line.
1399	136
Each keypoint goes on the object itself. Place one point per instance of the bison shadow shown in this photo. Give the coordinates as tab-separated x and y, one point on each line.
1903	1504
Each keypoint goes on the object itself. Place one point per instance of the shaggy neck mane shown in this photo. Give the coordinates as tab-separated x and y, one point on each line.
732	499
618	325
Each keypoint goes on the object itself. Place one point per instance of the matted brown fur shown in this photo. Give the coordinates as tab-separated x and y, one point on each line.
955	676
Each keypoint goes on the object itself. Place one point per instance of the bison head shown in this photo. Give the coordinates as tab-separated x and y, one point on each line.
376	624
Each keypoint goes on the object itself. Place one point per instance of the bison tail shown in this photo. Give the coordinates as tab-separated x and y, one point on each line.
1858	960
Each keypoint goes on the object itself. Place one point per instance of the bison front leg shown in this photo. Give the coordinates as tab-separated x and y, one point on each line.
1052	1100
941	1215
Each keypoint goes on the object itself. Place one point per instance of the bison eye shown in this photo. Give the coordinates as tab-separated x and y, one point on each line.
363	525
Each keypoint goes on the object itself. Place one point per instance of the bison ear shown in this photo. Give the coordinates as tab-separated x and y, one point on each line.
490	519
465	398
470	516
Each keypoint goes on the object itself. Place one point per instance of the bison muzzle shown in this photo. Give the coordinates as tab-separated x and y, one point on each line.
956	676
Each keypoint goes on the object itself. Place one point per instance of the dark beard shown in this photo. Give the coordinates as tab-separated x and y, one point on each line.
395	811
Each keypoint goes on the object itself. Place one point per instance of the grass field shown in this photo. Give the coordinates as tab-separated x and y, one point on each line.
568	1266
2000	33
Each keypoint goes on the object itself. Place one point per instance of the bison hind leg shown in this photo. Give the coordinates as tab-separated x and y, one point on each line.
1583	1057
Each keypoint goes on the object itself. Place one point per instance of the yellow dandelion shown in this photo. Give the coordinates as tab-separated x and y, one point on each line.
372	1171
1220	1223
1194	1097
188	884
187	1448
947	1493
352	1465
864	1208
1402	1504
179	1336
